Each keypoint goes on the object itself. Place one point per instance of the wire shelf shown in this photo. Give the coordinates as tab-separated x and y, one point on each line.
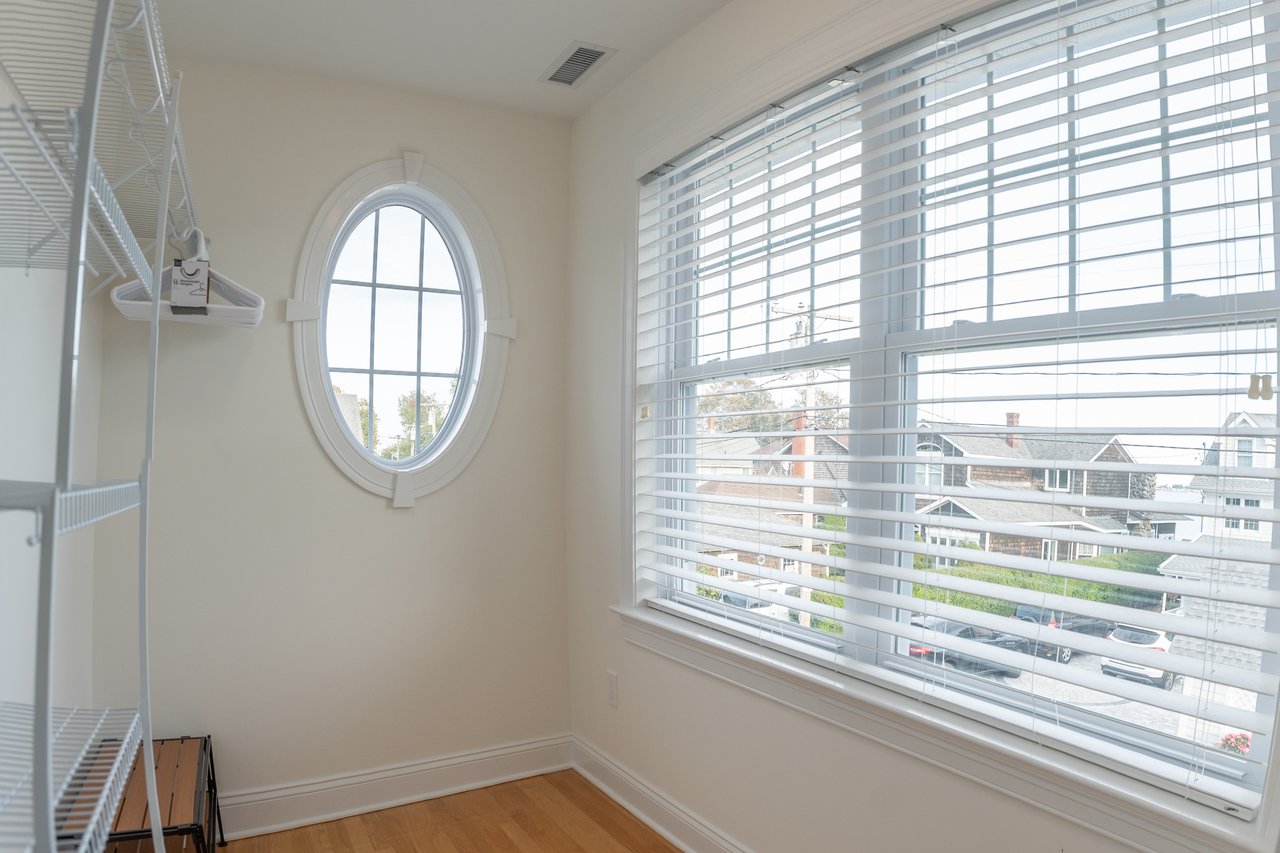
45	49
93	750
81	507
78	507
73	71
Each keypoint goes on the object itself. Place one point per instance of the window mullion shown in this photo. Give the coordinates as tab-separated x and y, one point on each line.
370	414
417	390
885	272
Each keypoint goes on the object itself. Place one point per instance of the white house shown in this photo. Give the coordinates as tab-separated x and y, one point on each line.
1239	447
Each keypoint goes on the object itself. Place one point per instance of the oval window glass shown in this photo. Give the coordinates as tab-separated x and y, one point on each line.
395	331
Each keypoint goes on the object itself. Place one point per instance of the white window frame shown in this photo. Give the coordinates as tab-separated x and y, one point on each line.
492	328
1057	479
1252	523
1067	786
1232	523
1244	452
930	474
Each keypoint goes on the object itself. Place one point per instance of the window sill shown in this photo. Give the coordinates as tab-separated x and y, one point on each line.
1060	783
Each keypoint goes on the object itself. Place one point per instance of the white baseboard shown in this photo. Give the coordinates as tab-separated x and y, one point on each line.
665	816
263	810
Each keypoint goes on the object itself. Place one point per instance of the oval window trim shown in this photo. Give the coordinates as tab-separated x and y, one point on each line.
485	313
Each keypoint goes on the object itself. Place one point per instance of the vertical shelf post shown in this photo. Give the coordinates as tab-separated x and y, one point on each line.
144	510
72	309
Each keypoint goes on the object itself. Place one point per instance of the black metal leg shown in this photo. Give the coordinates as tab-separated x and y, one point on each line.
213	789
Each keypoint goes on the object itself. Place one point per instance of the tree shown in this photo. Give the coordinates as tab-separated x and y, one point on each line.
427	420
829	411
723	400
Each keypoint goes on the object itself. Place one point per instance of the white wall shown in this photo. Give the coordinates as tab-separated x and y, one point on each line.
774	779
314	631
30	366
30	348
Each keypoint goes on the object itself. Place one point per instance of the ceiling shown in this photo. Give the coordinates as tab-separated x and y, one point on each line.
488	51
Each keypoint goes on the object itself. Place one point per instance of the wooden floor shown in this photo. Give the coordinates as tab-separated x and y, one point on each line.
556	813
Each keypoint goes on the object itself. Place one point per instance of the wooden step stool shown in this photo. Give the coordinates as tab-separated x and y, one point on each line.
188	792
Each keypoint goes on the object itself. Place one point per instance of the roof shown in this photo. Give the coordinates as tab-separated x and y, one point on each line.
752	514
727	444
1261	419
1226	571
1159	516
1044	444
823	445
1014	511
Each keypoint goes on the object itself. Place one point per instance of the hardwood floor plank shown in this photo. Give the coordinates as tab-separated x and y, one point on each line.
617	821
543	828
557	813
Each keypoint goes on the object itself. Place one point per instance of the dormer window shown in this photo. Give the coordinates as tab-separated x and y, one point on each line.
929	471
1244	452
1057	480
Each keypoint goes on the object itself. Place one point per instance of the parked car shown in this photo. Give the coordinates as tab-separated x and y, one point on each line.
1051	618
759	606
1146	638
926	651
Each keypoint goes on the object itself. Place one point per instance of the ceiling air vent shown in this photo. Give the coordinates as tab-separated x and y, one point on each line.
576	63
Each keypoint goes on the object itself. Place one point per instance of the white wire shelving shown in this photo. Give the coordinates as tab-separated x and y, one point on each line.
78	506
93	750
45	48
91	155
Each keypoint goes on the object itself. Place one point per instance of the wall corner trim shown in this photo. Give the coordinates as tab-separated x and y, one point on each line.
664	815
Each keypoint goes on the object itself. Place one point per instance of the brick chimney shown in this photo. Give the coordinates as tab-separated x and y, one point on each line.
1012	419
800	444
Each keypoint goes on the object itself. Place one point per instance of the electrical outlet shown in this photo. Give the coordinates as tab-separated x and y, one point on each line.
613	689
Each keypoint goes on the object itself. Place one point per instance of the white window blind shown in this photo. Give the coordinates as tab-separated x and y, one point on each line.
966	333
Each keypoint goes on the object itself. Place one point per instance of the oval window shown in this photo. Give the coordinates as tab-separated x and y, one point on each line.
396	336
401	328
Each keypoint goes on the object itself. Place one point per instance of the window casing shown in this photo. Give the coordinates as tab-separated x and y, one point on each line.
842	278
1233	523
1244	452
476	318
1057	480
929	474
1252	523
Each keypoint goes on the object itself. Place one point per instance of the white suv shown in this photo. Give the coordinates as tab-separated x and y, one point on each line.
758	606
1146	638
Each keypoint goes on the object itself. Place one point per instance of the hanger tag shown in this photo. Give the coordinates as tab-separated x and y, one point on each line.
189	289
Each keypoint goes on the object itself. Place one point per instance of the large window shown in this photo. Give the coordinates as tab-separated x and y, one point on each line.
967	326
